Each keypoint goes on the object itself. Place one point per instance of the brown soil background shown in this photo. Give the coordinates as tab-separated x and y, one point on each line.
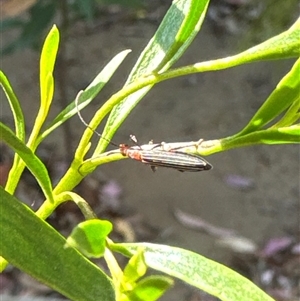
208	105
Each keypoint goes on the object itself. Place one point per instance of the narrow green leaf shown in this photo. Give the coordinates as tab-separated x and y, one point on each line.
49	85
290	134
150	288
89	237
291	116
135	268
283	135
14	105
286	93
175	33
273	135
34	164
47	61
174	44
284	45
203	273
34	247
88	94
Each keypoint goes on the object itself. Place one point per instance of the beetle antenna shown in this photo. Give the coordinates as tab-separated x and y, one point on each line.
86	124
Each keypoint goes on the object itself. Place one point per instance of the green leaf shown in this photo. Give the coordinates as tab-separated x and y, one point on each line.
135	268
176	32
290	134
291	116
203	273
36	248
14	105
47	62
284	45
150	288
285	94
33	163
146	289
88	94
89	237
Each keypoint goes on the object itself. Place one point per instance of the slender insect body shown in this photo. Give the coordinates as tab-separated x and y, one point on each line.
175	159
171	159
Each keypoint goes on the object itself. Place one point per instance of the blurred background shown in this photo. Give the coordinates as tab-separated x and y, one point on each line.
243	213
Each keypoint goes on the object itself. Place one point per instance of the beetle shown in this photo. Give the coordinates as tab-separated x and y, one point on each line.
171	159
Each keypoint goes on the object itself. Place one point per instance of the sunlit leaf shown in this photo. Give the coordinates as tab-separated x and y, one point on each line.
89	237
199	271
34	247
14	105
88	94
286	93
34	164
175	33
150	288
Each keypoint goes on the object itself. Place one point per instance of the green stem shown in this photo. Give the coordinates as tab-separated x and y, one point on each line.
71	179
248	56
268	136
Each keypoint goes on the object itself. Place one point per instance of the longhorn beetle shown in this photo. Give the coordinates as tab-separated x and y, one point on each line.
170	158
